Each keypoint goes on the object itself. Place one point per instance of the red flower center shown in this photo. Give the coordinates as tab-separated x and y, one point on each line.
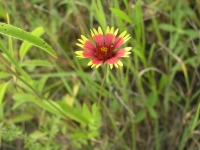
104	52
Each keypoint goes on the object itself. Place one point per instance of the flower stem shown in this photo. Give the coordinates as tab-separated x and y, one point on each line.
102	83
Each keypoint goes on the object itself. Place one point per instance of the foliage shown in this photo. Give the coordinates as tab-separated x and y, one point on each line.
48	97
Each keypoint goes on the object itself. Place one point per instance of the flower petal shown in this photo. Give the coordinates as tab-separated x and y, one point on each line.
88	55
79	54
110	36
89	46
85	54
121	39
90	63
123	52
116	65
97	66
95	62
120	53
112	60
111	66
98	36
120	63
85	44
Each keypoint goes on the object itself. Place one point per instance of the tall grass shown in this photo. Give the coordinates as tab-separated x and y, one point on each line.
152	102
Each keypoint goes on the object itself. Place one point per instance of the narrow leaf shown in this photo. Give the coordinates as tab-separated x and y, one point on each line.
26	45
140	116
191	33
163	82
87	112
18	33
152	99
73	113
2	12
121	14
41	83
196	120
15	63
2	91
35	62
4	75
139	54
167	27
153	113
22	118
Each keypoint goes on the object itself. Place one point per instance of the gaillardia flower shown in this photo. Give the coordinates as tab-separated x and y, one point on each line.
104	49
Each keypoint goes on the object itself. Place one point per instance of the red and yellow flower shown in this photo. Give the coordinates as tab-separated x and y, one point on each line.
104	49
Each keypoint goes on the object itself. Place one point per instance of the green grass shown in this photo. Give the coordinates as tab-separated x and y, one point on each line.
48	103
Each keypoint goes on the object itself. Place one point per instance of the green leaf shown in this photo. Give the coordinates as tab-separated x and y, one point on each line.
12	132
140	116
99	13
35	63
196	119
22	118
18	33
121	14
73	113
26	45
24	86
184	137
19	100
168	27
139	54
162	83
41	83
60	109
95	109
152	112
4	75
2	11
95	122
87	112
16	64
180	31
47	105
92	134
191	61
152	99
37	135
77	135
2	91
191	33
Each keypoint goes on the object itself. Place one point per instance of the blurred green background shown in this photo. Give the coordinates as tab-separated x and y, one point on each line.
151	103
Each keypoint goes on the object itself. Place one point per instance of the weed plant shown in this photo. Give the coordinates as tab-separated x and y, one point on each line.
49	97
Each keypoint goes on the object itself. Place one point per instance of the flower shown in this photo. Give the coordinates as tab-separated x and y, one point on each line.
104	49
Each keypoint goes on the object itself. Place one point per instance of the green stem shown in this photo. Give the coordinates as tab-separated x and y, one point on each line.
10	43
133	130
102	83
157	139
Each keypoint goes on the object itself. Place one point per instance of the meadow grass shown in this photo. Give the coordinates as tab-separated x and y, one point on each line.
49	103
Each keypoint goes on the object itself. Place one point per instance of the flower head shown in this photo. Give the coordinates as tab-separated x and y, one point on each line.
104	48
